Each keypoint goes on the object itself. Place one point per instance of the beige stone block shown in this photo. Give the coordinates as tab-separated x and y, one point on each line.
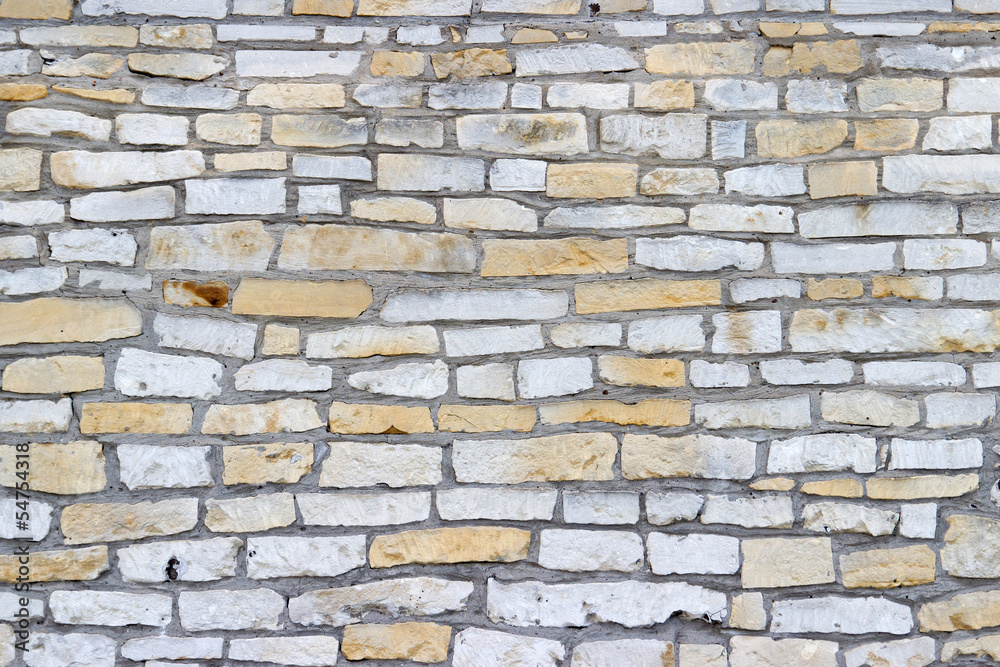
569	256
471	63
748	612
632	372
696	455
895	94
394	209
840	57
886	134
250	515
618	6
341	248
794	138
701	58
289	414
191	293
419	642
479	544
773	484
950	26
555	458
834	288
485	418
841	488
780	562
843	179
397	63
279	340
966	611
119	522
190	66
679	181
20	169
778	29
297	95
358	418
700	655
591	180
37	9
614	296
54	375
114	95
238	129
234	246
970	547
650	412
60	468
270	463
922	486
340	8
189	36
262	160
171	418
664	95
981	647
369	341
84	564
915	287
302	298
318	130
888	568
22	92
533	36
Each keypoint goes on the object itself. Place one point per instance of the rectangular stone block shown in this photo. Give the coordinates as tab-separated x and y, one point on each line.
483	544
524	134
554	458
301	298
167	418
591	180
570	256
611	296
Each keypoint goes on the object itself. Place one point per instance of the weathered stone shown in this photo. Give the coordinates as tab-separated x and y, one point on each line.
642	294
675	136
300	298
179	560
356	464
480	419
301	650
172	648
206	334
917	652
824	452
981	647
273	557
64	469
191	66
188	293
965	611
886	134
852	616
297	95
780	562
968	551
553	458
273	63
924	486
413	380
847	518
363	509
49	650
791	138
759	512
888	568
430	173
420	642
651	412
190	36
700	456
840	57
295	415
701	58
473	646
110	608
524	134
20	169
277	463
80	169
254	609
416	596
54	375
574	60
118	522
39	9
353	418
84	564
141	373
449	545
173	418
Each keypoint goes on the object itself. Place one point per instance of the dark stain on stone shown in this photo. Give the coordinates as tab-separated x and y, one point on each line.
212	294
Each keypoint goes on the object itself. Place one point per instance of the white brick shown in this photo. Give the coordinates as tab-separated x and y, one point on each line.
824	452
590	550
358	464
772	180
918	520
935	454
959	133
492	340
588	95
827	517
172	648
255	609
741	95
793	371
296	64
763	512
891	218
832	258
348	168
601	507
179	560
517	175
940	254
476	648
538	378
141	373
412	380
319	199
670	507
697	253
808	96
986	375
736	218
111	246
679	333
726	374
110	608
957	409
751	332
151	128
235	196
913	373
743	290
851	616
693	554
273	557
163	467
586	335
206	334
155	203
363	509
496	504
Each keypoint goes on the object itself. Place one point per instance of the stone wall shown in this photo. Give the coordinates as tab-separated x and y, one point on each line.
499	332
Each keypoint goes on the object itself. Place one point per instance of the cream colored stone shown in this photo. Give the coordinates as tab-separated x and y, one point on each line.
250	515
907	287
265	160
189	293
698	455
341	248
301	298
966	611
533	36
119	522
987	646
469	63
396	63
394	209
341	8
569	256
841	57
358	418
485	418
664	95
843	179
136	418
780	562
591	180
20	169
834	288
886	134
279	340
290	414
190	66
59	468
229	246
841	488
611	296
574	456
297	95
650	412
970	547
37	9
630	371
186	36
773	484
419	642
701	58
241	129
748	612
922	486
888	568
270	463
96	65
794	138
893	94
54	375
481	544
115	95
318	130
22	92
84	564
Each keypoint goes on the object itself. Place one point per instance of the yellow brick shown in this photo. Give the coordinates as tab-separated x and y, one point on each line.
357	418
631	372
395	63
886	134
769	29
812	30
841	488
394	209
136	418
793	138
279	340
570	256
888	568
664	95
840	57
896	94
84	564
947	26
22	92
591	180
272	463
554	458
340	8
905	287
263	160
748	612
54	375
62	469
288	414
773	484
36	9
834	288
485	418
781	562
485	544
114	95
611	296
419	642
651	412
843	179
471	63
533	36
297	95
302	298
922	486
618	6
119	522
58	320
966	611
701	58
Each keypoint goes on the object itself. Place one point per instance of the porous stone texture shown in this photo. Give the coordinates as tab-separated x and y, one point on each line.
499	332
